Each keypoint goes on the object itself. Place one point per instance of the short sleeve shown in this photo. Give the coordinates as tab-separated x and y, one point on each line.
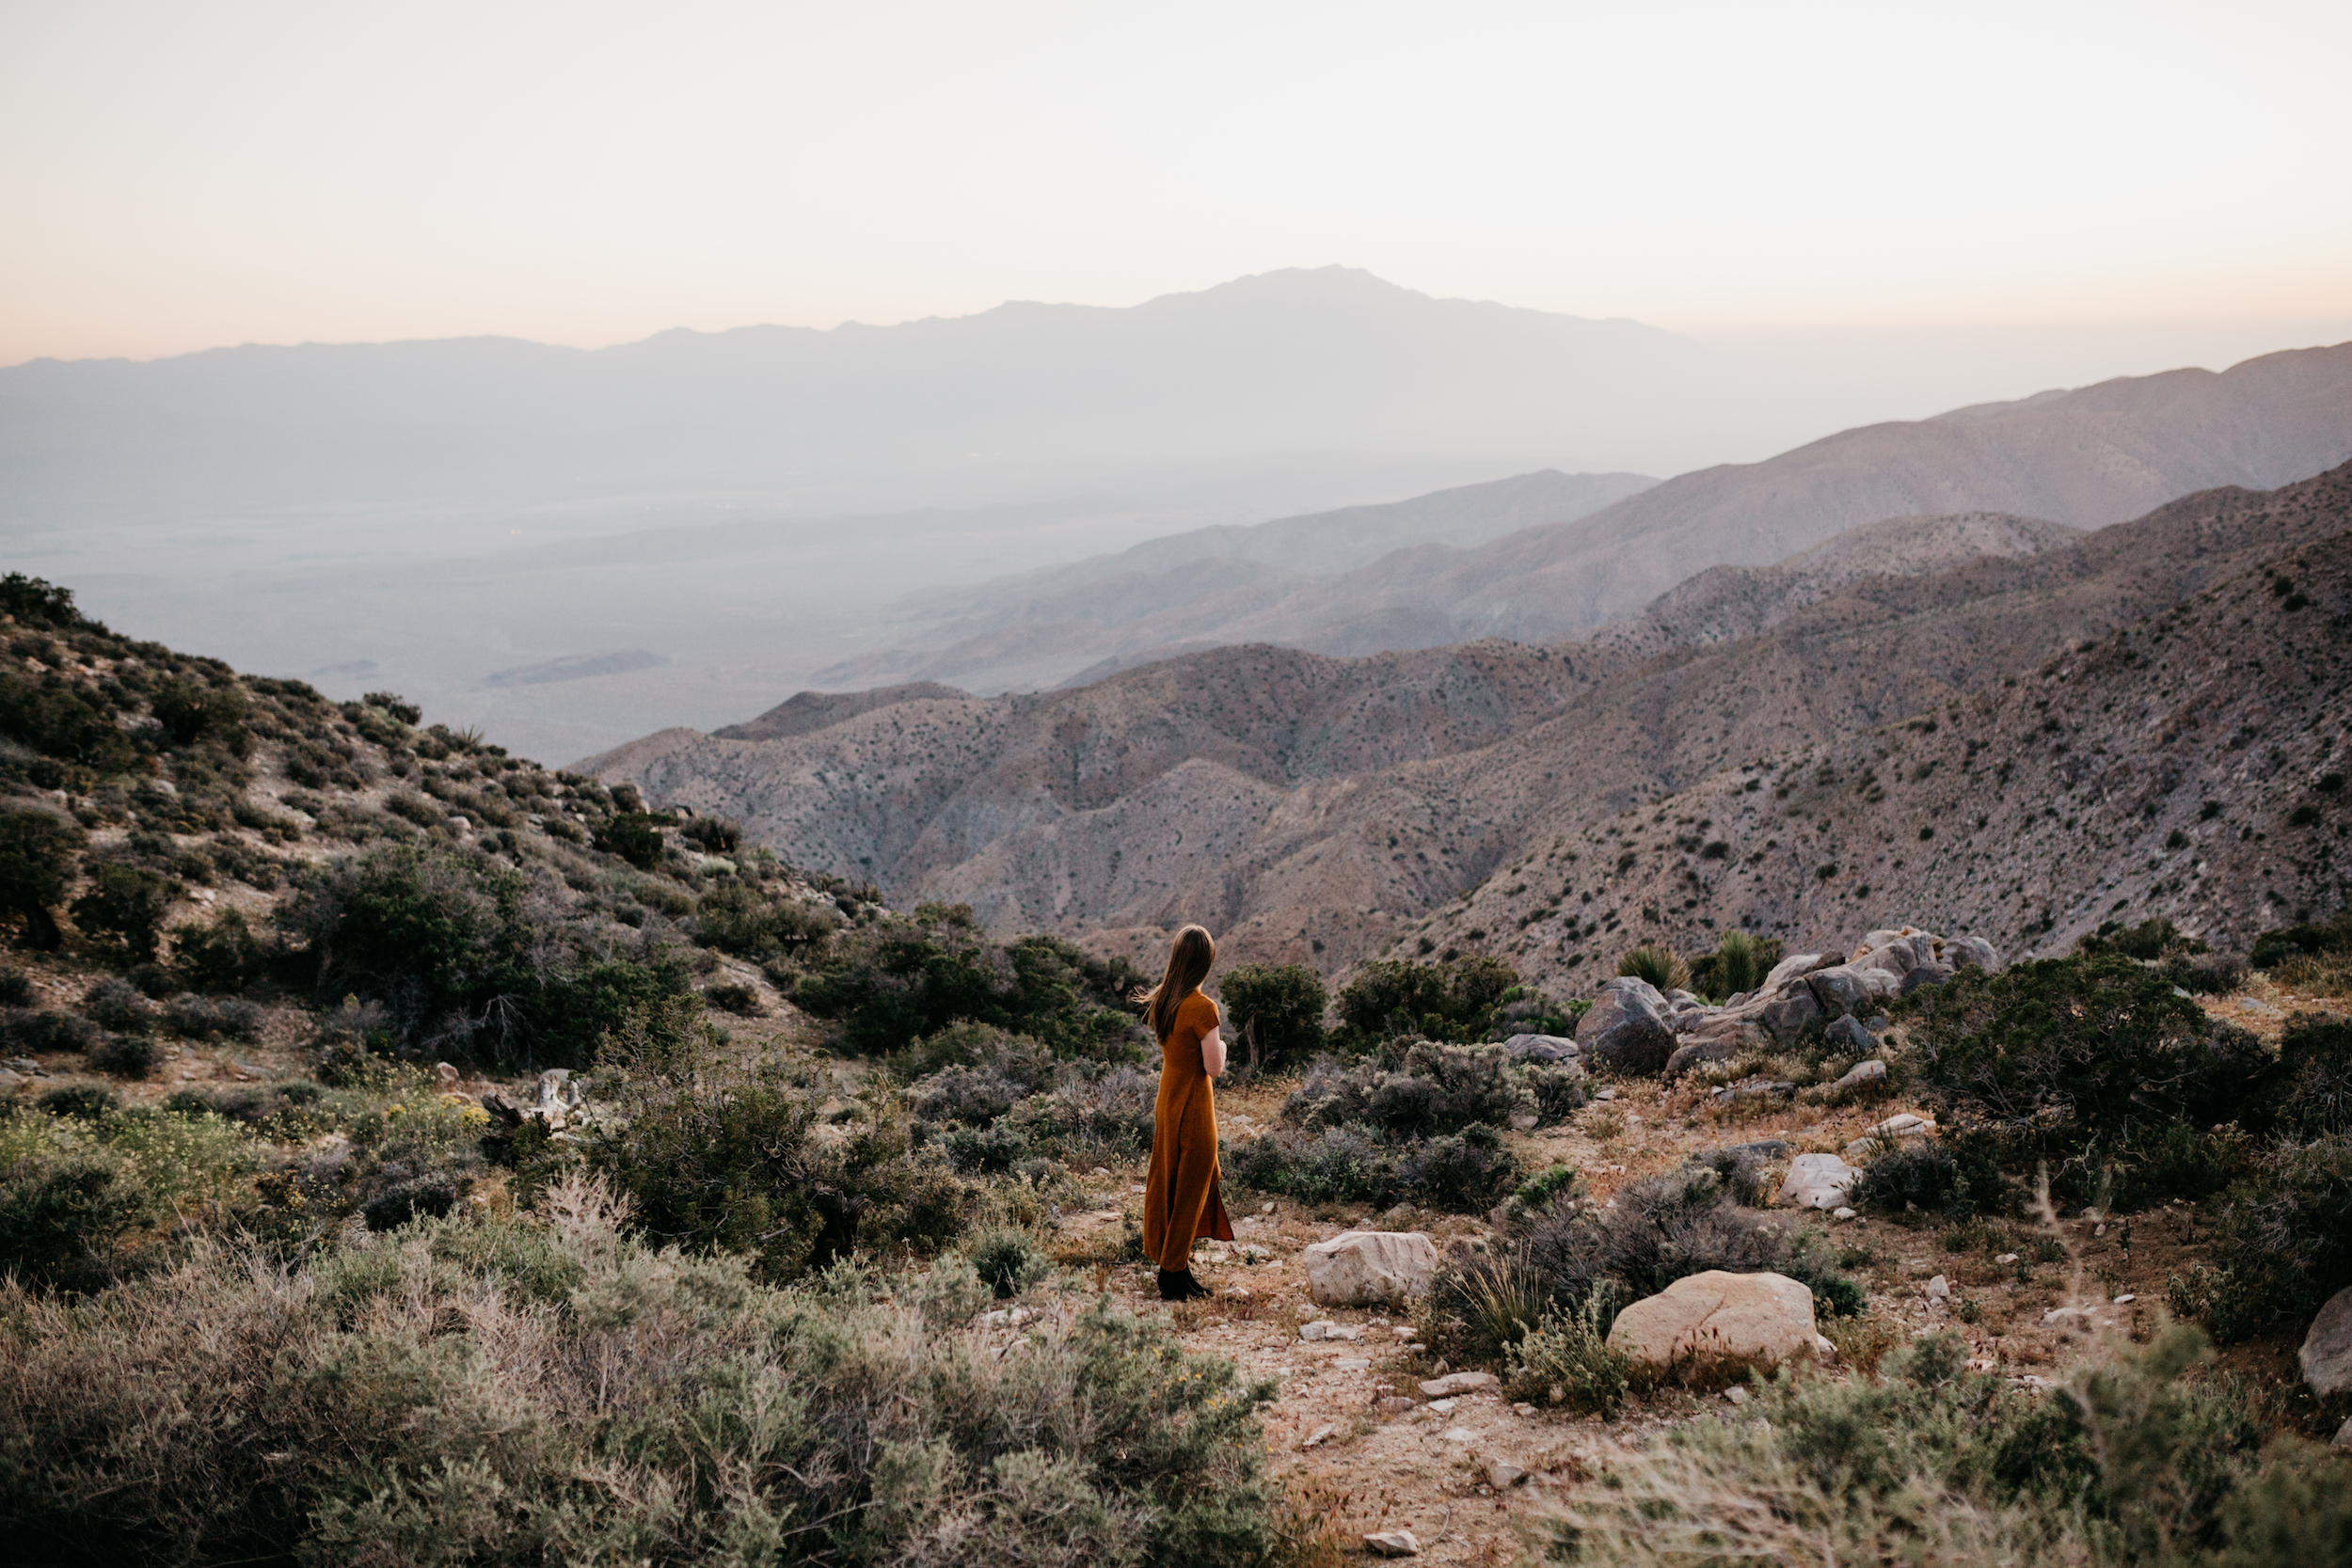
1199	1015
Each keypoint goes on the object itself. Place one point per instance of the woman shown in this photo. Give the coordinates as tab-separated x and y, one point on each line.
1180	1197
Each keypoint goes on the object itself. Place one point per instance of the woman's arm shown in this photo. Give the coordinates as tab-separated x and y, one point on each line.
1213	1052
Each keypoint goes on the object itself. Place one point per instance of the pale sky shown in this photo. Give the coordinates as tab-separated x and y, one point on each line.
178	176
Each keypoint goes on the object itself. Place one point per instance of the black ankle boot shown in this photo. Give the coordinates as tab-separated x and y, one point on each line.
1180	1285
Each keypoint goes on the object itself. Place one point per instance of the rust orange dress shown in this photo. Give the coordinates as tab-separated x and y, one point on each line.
1180	1197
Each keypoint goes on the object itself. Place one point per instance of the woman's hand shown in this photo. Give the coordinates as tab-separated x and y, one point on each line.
1213	1052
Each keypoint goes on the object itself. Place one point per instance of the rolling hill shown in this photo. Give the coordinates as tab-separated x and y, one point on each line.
1320	808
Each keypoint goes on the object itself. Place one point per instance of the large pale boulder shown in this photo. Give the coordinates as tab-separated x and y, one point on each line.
1371	1268
1960	952
1763	1318
1625	1030
1818	1181
2327	1353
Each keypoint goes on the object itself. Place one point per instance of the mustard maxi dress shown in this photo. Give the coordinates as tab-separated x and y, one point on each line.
1180	1197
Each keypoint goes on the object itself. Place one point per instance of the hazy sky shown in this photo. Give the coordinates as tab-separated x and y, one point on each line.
175	176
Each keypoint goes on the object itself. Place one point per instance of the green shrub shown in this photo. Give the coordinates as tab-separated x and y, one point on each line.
205	1018
1738	965
2081	1062
1273	1012
1565	1361
1424	1088
30	1033
2141	1457
37	850
718	836
717	1154
191	710
127	904
463	956
1007	1260
735	917
2148	940
2284	1242
124	1057
1453	999
2309	1092
635	836
223	958
2332	938
65	1198
1467	1173
897	982
1553	1181
115	1003
1659	966
496	1391
81	1103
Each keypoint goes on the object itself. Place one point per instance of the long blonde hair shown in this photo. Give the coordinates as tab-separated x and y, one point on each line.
1189	961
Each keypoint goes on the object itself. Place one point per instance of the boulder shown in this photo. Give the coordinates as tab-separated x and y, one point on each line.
1818	1181
1626	1029
1871	1071
1846	988
1847	1032
1392	1542
1762	1318
1960	952
1708	1048
2327	1353
1896	1129
1369	1268
1540	1047
1792	968
1925	975
1785	1017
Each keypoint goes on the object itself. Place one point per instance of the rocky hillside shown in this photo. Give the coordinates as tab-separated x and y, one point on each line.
1317	809
2189	764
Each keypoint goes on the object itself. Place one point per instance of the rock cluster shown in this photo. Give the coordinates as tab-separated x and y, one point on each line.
1635	1030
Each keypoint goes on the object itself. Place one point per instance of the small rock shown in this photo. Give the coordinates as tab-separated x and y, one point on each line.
1524	1121
1394	1543
2125	1300
1406	1331
1134	1186
1522	1410
1443	1407
1394	1404
2343	1437
1320	1329
1735	1394
1841	1215
2006	1258
1351	1363
1502	1475
24	1064
1606	1094
1265	1208
1939	1289
1323	1433
1457	1383
1459	1434
2065	1317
